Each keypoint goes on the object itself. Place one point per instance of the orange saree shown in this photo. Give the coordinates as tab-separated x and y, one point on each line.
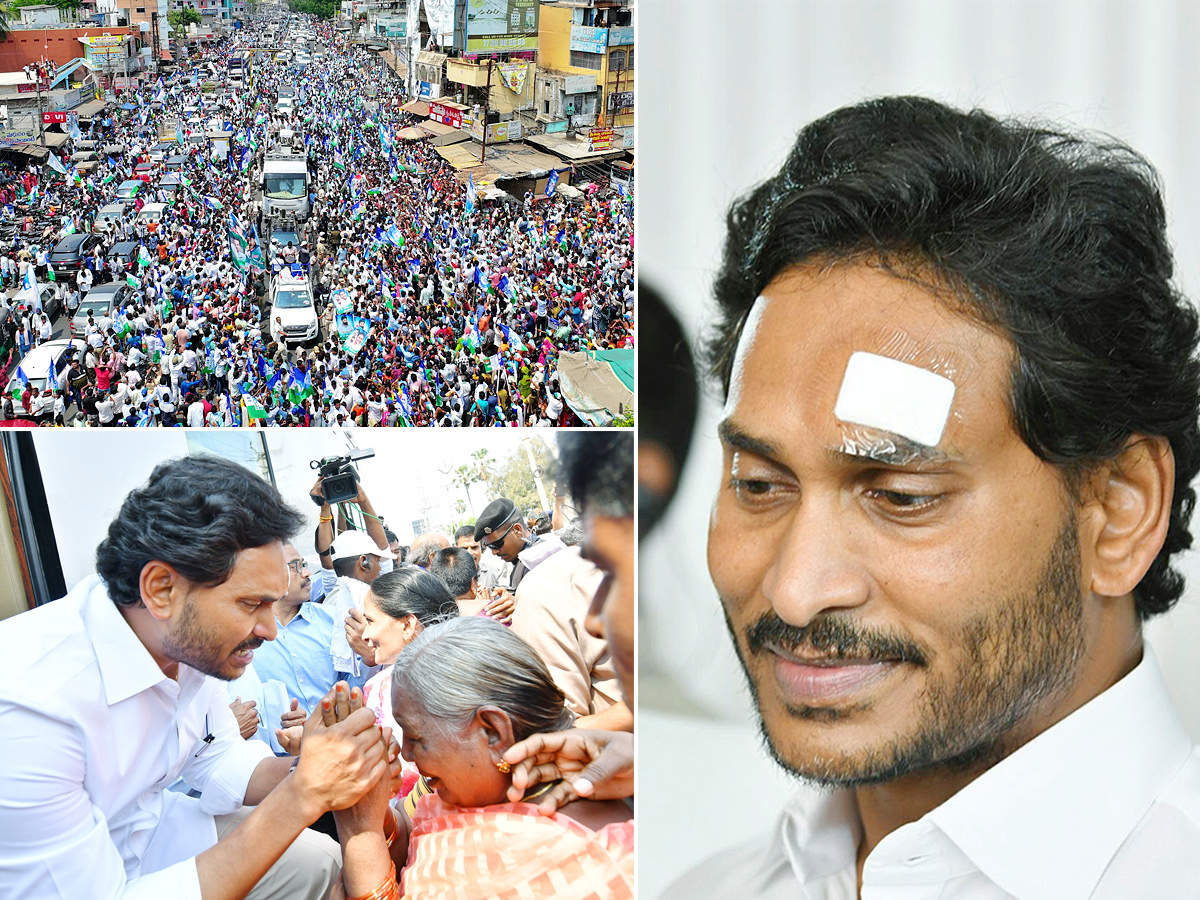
511	851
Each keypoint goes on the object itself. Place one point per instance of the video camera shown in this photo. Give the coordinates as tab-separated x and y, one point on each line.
340	477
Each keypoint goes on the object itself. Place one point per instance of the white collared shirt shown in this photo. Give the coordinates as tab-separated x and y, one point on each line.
1104	805
91	734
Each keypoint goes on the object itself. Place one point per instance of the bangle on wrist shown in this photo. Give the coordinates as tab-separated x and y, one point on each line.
389	890
389	827
324	518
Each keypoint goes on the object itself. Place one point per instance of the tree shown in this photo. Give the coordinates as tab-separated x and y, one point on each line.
464	476
180	19
514	480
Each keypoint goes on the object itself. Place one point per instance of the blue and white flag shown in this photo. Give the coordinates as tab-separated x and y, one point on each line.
470	193
551	182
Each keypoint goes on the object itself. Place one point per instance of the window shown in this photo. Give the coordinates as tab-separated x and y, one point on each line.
546	107
583	60
140	9
630	57
616	60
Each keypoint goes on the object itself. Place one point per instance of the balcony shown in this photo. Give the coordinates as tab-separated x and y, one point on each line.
462	72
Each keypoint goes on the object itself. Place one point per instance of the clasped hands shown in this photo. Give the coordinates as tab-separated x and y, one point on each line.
345	756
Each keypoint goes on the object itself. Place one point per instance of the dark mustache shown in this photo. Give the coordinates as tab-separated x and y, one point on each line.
252	644
832	636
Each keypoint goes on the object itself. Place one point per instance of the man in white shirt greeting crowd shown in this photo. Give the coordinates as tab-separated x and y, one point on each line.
115	692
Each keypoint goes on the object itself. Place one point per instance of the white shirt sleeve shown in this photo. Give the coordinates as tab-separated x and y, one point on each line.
222	771
53	842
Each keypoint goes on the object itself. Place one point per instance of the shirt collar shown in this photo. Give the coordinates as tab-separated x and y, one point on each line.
1045	822
126	666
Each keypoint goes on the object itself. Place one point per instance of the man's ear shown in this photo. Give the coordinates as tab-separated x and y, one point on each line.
1128	515
162	588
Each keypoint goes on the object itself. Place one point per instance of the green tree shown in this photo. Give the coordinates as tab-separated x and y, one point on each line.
514	479
180	19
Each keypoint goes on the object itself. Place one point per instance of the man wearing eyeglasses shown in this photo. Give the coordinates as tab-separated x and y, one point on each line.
299	656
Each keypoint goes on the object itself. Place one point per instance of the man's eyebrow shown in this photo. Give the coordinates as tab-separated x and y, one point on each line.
732	435
889	450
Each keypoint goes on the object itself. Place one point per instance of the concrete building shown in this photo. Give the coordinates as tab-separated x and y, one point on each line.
586	65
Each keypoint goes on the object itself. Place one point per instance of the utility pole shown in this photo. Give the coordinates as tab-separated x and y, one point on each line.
487	96
37	75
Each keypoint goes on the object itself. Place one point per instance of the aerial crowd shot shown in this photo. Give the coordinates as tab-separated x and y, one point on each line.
263	236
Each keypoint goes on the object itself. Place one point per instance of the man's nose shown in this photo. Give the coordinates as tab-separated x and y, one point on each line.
265	627
818	564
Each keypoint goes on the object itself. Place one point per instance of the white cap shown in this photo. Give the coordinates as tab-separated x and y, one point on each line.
357	543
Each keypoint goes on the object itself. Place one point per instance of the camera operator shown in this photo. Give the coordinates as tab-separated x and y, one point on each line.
349	565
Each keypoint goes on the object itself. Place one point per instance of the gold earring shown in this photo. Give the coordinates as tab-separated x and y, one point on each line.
504	767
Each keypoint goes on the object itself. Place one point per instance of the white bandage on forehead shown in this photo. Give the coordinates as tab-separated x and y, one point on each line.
884	393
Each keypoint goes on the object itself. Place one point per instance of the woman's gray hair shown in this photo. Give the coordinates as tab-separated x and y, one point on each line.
454	668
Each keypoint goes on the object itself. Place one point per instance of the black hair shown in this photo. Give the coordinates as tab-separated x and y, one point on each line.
667	415
195	514
598	469
464	531
455	566
414	592
1056	239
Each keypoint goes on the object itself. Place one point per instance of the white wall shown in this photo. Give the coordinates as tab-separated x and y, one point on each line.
88	473
757	71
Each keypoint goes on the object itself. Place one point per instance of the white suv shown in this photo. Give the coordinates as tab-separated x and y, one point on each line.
293	314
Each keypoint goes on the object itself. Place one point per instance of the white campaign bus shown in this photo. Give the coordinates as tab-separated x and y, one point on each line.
285	184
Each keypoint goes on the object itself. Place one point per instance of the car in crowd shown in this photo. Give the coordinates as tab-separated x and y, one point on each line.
102	300
143	171
175	162
293	313
69	255
161	151
113	213
152	214
38	362
122	257
129	189
171	183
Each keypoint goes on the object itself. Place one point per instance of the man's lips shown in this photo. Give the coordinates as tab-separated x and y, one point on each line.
808	679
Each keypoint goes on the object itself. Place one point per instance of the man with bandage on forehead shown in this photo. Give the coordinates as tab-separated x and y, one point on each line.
959	431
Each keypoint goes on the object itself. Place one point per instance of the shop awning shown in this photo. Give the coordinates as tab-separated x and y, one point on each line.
91	109
417	107
597	385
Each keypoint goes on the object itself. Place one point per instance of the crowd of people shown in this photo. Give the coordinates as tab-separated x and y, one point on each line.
436	306
451	718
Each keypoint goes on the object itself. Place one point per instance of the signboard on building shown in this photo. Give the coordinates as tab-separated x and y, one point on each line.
620	35
579	84
601	138
588	39
104	48
12	138
497	132
619	100
447	115
427	91
54	118
502	26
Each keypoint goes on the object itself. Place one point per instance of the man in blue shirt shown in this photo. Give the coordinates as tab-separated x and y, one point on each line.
299	656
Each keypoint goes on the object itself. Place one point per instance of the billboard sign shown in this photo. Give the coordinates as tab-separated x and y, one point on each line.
620	35
447	115
589	40
502	26
579	84
601	138
619	100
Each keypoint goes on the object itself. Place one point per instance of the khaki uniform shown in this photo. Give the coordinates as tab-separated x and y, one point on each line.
552	602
